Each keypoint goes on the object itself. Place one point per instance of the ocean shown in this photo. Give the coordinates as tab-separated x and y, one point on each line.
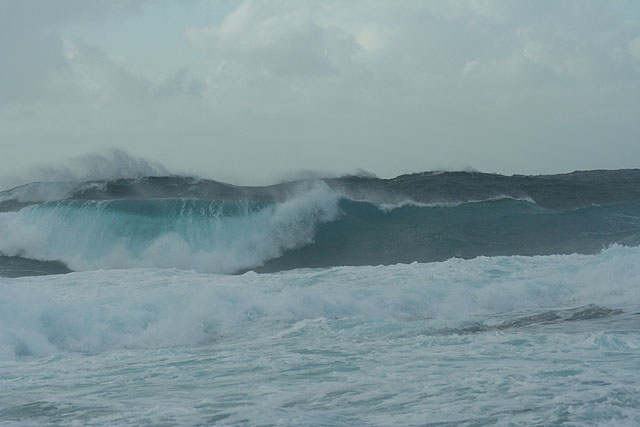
435	298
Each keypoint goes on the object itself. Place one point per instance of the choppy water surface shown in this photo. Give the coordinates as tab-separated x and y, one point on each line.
436	298
506	340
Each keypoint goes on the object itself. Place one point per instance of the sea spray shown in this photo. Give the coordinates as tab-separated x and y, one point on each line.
210	236
522	307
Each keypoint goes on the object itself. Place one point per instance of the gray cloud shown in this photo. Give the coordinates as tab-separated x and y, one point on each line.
265	88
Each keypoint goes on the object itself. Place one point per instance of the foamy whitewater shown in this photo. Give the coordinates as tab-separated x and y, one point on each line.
456	298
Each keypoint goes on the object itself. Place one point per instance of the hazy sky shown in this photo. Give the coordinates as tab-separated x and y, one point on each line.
249	91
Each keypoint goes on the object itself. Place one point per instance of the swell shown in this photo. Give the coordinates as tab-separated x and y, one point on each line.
368	235
188	223
560	191
317	229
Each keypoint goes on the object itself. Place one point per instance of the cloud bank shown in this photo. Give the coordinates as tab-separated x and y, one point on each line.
247	91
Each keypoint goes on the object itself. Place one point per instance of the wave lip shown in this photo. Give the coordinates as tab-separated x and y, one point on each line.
209	236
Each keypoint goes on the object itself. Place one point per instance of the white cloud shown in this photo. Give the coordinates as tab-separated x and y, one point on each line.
283	40
373	38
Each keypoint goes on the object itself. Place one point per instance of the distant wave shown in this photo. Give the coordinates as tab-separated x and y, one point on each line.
209	226
576	189
386	207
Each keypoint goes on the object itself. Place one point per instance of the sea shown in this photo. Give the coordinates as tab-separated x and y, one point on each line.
429	299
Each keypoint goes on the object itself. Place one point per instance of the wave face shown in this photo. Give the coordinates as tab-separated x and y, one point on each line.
208	226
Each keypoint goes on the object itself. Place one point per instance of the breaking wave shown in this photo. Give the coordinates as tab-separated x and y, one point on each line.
208	226
150	308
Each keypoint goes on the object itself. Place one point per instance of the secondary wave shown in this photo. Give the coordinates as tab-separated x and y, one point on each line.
149	308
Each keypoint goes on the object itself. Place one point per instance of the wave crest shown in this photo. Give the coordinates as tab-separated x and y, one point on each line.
208	236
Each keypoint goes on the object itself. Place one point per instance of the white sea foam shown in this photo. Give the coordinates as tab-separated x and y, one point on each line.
90	235
154	308
387	207
385	345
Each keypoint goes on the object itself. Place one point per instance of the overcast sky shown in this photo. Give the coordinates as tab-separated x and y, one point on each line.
249	92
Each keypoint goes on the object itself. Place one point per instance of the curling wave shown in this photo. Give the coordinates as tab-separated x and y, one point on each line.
209	236
208	226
